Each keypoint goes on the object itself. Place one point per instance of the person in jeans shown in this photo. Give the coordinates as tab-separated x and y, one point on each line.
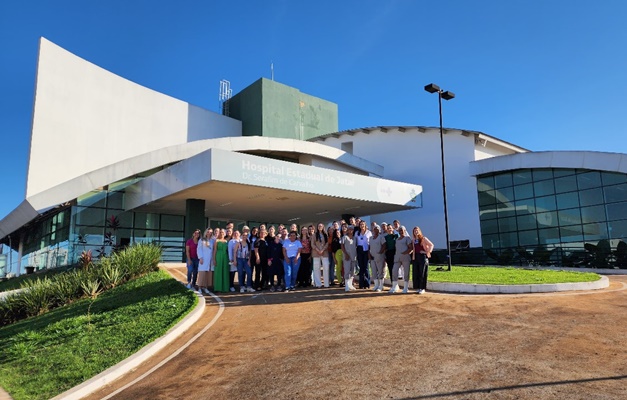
422	251
242	255
235	239
362	236
291	256
191	253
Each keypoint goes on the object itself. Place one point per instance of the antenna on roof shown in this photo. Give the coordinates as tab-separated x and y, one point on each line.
225	96
272	70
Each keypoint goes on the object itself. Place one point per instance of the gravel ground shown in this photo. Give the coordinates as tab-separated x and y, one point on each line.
324	343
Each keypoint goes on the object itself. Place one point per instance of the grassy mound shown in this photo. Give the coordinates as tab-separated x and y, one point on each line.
43	356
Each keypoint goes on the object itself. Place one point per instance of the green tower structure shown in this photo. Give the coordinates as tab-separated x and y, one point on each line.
269	108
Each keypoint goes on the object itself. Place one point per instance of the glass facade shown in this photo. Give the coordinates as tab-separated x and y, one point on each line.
96	221
552	208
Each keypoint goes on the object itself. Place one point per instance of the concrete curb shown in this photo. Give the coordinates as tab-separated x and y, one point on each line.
123	367
602	283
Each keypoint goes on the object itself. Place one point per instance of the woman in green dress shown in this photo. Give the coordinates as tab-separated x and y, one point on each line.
221	262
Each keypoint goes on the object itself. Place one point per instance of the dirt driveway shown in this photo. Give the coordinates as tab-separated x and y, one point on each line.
323	344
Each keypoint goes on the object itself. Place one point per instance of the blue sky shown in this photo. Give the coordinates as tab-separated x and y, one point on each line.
545	75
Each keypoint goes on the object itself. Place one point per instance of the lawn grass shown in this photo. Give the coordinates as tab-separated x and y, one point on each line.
507	276
43	356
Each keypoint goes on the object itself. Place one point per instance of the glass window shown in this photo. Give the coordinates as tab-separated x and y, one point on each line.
571	233
567	200
595	231
89	216
116	200
522	176
613	178
172	222
588	180
509	239
507	224
593	214
485	183
490	241
591	197
526	222
546	219
618	229
559	172
490	226
523	191
549	235
146	221
504	211
145	235
542	174
569	217
525	206
93	199
484	213
504	195
503	180
616	211
486	198
543	188
528	238
546	203
615	193
566	184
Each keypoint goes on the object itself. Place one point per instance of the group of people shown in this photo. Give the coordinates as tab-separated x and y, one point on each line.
282	259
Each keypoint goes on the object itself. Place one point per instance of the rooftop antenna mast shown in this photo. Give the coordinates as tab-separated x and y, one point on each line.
225	96
272	70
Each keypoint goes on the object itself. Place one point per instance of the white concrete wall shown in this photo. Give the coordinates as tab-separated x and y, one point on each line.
86	118
414	157
489	150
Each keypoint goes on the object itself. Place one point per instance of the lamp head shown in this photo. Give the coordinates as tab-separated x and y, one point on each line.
432	88
448	95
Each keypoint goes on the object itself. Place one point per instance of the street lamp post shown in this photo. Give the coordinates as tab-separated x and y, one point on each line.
446	95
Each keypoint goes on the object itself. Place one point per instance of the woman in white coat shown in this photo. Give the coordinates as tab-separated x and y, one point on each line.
205	259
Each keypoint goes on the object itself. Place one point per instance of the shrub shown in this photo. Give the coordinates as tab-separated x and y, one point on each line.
36	298
85	261
42	294
138	259
66	287
108	274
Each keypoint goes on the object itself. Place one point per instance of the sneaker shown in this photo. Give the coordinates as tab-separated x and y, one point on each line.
242	289
189	286
421	291
251	290
279	289
232	289
272	289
